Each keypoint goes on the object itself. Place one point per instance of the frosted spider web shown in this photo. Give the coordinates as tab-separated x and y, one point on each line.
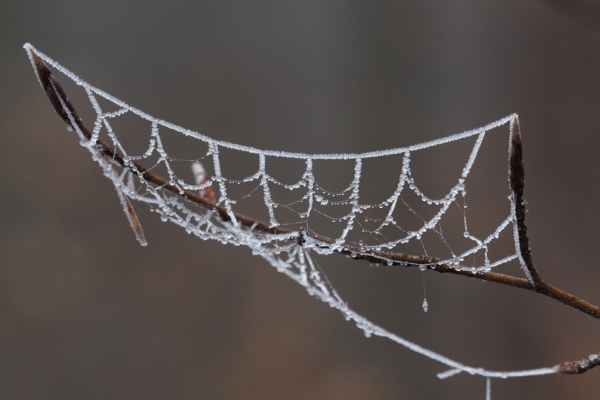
290	245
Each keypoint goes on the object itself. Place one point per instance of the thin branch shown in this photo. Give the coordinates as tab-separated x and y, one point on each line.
57	98
516	177
578	367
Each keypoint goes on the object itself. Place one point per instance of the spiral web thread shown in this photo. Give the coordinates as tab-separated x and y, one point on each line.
290	253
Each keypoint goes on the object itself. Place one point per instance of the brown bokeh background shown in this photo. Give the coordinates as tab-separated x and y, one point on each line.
87	313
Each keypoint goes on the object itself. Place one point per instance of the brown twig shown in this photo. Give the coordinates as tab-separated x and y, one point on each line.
578	367
67	112
516	177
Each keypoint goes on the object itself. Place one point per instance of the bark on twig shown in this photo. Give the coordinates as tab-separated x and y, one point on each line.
578	367
516	177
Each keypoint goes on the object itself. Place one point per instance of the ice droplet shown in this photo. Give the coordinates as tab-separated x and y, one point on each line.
425	305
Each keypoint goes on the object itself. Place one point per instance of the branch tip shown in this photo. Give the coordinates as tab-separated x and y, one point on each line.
55	93
516	177
516	168
578	367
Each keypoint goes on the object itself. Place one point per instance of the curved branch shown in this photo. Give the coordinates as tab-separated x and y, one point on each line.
67	112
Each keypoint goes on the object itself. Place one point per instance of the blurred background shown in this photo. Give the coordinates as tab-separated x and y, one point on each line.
85	312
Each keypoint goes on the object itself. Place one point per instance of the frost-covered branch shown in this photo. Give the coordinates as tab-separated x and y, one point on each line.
534	282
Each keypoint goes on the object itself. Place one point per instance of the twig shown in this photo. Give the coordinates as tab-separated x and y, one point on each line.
578	367
516	177
57	98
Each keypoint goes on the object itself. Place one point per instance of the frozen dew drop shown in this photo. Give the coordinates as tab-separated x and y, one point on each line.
425	305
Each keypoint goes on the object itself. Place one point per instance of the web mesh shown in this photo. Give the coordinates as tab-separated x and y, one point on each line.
308	200
303	216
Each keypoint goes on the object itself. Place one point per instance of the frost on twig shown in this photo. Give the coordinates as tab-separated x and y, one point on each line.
132	217
290	250
516	177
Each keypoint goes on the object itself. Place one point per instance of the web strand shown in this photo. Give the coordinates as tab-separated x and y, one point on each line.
290	251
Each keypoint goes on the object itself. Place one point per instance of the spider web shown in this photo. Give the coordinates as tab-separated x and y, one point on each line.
295	210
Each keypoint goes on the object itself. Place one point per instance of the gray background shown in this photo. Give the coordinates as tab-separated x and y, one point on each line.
87	313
